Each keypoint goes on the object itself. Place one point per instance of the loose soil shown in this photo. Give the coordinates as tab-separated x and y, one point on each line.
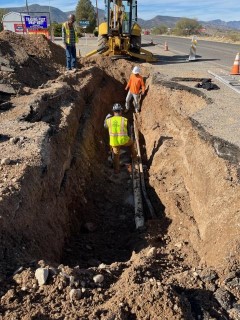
63	209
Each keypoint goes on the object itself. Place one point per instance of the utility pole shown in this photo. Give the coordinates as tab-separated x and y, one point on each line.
50	23
97	13
27	7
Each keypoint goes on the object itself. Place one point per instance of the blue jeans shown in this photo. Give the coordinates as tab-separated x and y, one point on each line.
71	56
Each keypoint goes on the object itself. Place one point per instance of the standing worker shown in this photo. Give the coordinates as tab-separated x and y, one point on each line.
119	135
70	38
135	85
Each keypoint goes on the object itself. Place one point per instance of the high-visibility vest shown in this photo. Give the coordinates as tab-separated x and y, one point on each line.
67	29
117	128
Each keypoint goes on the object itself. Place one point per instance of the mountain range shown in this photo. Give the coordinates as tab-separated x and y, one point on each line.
60	16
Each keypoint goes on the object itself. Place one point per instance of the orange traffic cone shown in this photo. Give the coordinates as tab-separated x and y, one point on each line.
235	68
166	46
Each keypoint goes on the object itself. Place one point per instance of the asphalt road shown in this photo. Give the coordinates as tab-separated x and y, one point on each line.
220	54
216	53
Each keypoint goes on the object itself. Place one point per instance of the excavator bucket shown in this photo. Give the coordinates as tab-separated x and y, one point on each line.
144	55
113	51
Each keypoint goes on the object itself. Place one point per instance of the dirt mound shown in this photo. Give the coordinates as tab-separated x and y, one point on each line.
27	61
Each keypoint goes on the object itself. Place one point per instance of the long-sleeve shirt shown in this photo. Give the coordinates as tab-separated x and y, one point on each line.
136	83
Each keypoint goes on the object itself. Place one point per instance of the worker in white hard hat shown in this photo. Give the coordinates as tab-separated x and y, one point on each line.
119	135
136	86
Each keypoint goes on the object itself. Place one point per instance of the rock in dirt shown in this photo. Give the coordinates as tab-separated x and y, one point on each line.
5	161
14	140
98	278
152	252
224	298
234	283
41	275
102	266
75	294
208	275
6	69
178	245
4	61
230	276
8	89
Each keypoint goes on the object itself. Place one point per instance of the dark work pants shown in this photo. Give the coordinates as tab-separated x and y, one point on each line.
71	56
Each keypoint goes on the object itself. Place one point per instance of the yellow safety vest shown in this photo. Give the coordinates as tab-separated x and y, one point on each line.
66	26
117	127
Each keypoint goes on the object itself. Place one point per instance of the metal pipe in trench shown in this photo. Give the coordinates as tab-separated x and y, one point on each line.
141	173
138	205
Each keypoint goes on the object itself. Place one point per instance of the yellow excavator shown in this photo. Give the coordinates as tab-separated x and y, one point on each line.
120	35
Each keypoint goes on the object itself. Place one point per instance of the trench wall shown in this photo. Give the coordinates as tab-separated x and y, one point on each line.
64	123
200	190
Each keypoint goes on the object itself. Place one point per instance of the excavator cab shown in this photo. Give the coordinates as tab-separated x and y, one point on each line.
120	34
119	16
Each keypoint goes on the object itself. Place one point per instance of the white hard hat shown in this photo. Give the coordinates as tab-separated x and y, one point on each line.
136	70
117	107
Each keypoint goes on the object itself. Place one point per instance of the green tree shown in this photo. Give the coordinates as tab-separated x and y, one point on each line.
2	13
187	26
57	29
160	29
85	11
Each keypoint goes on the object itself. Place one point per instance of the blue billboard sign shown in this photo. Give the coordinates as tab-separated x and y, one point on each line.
38	22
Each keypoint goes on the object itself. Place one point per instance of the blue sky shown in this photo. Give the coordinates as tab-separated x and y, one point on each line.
203	10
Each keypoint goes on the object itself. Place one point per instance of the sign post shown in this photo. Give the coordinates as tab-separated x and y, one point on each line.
84	24
85	35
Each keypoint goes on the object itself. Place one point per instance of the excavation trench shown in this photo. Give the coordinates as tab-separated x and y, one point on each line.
69	208
65	184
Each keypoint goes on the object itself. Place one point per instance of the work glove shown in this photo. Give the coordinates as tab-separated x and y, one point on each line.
108	116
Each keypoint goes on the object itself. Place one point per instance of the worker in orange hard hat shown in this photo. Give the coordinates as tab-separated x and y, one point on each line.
135	86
